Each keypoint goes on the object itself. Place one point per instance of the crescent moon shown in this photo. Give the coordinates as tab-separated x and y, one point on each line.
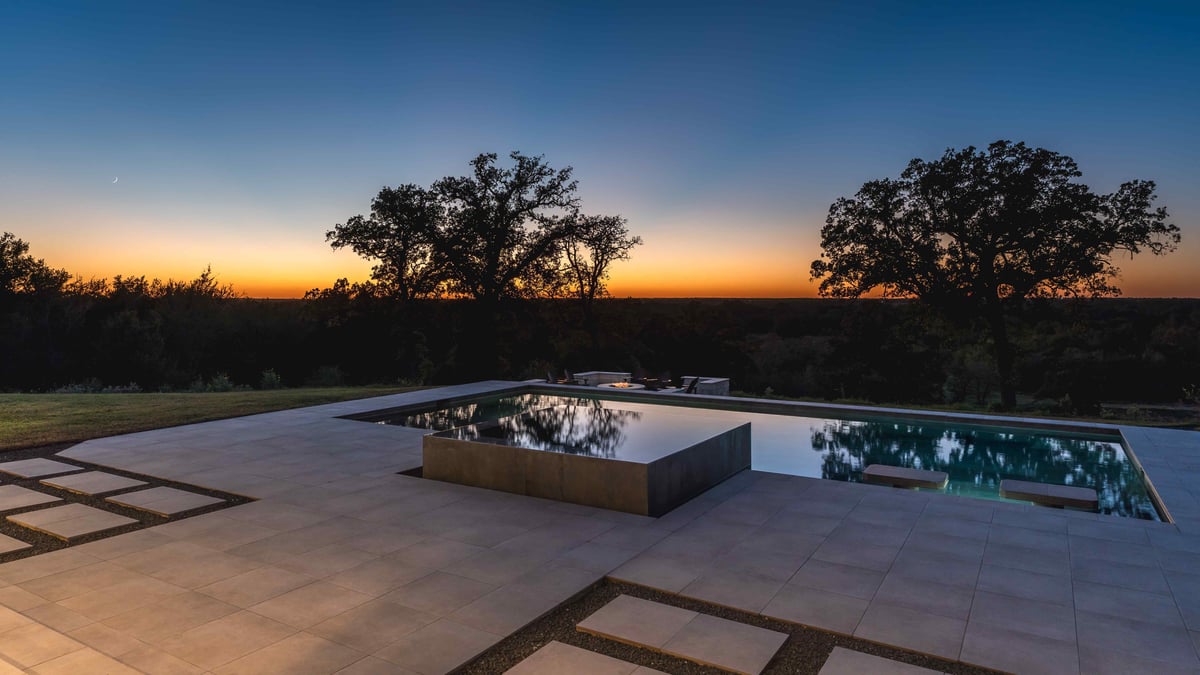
116	179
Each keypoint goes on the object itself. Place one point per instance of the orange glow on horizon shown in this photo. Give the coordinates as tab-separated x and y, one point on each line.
698	259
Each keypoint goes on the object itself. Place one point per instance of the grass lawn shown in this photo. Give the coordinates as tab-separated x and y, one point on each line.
28	420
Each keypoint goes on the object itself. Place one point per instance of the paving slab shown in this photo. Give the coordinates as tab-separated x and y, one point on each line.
701	638
557	658
33	468
92	482
17	497
912	629
164	501
826	610
849	662
9	544
70	521
439	647
33	643
726	644
300	654
636	621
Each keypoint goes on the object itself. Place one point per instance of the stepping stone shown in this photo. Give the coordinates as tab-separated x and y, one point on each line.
701	638
849	662
637	622
900	476
557	658
1049	494
15	497
33	468
70	521
92	482
164	501
8	544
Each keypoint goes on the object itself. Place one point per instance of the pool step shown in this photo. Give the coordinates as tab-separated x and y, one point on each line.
901	476
1049	494
700	638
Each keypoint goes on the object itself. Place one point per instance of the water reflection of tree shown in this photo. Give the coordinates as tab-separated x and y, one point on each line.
982	458
582	427
483	411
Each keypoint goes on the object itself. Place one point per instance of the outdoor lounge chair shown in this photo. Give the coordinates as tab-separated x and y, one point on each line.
567	378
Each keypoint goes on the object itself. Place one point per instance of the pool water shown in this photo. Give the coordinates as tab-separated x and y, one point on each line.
976	457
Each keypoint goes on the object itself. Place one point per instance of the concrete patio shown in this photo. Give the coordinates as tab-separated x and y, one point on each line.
344	566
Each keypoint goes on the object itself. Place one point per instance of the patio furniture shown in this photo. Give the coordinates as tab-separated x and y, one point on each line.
566	379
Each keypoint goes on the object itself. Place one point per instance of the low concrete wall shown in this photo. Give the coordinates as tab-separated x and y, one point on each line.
646	489
708	386
592	378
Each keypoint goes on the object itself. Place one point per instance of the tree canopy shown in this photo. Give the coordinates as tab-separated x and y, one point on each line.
400	235
22	273
598	242
500	232
977	231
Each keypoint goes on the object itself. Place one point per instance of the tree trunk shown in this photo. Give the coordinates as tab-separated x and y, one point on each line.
1004	356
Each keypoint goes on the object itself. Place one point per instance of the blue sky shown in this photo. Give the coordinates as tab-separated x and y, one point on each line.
242	131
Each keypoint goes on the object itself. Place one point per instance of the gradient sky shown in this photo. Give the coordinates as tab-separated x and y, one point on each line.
242	131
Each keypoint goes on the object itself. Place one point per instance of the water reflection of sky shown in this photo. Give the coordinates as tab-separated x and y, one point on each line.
977	458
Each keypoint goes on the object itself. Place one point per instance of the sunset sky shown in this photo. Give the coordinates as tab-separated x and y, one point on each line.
239	132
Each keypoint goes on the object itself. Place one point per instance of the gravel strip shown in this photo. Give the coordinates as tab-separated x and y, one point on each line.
804	652
44	543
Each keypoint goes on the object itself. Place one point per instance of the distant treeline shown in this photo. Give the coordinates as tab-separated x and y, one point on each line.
131	334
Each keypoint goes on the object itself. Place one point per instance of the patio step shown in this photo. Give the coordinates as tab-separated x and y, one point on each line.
901	476
1049	494
849	662
701	638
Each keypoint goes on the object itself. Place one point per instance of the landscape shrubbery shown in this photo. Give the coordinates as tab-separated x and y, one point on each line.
199	335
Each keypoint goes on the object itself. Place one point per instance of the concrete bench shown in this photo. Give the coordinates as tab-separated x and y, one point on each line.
1049	494
899	476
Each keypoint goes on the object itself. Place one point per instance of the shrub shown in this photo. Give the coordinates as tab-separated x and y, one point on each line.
270	380
88	386
327	376
220	382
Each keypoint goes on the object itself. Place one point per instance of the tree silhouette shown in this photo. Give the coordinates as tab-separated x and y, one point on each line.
504	226
976	232
497	234
21	273
597	243
400	235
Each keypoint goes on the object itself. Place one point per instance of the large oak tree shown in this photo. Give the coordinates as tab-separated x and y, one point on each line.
975	232
499	233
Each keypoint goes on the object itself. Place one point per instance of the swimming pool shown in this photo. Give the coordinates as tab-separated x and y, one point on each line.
976	456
